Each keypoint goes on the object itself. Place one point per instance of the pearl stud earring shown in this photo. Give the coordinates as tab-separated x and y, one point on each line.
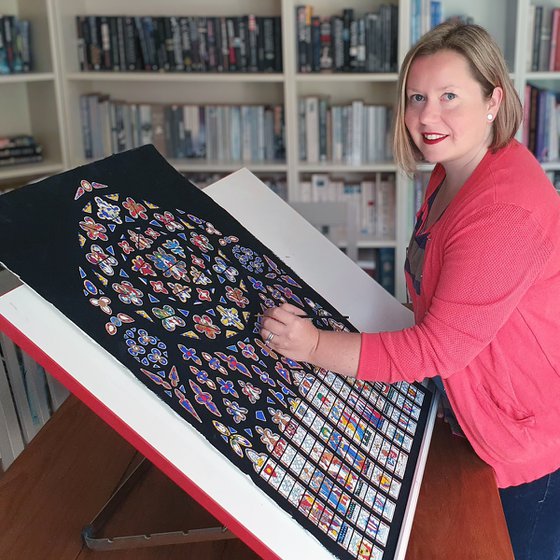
489	116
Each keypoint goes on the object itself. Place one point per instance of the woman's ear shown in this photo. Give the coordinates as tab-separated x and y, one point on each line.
495	100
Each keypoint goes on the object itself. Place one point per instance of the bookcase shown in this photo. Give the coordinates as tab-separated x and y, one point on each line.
31	103
46	102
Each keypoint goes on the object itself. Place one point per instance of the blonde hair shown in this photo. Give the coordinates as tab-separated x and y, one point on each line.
488	68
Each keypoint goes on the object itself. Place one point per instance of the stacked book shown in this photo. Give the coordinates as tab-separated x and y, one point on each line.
19	149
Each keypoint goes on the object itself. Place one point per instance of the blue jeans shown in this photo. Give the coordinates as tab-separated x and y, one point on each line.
532	513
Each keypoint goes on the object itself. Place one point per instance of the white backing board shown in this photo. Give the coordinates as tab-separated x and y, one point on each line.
323	266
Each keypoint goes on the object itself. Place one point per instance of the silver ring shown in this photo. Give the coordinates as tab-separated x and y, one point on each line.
269	338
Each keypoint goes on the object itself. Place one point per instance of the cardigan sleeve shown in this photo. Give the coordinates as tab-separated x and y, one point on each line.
490	259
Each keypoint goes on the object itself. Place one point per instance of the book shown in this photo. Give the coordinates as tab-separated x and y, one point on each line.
311	129
545	38
158	127
302	52
325	38
17	141
385	268
19	160
537	31
554	54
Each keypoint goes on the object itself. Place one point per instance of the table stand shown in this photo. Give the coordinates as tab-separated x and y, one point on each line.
94	542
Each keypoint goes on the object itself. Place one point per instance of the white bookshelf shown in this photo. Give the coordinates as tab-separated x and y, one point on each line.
46	102
31	103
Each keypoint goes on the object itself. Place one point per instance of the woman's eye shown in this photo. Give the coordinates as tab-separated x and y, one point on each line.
416	98
449	96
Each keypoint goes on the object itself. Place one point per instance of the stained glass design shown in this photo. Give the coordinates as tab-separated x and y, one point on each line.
173	287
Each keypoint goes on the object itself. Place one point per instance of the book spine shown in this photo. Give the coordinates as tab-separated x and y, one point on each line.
113	44
178	64
142	43
104	33
121	44
385	267
326	59
130	41
537	30
211	45
252	33
269	47
301	46
554	43
315	44
278	58
544	44
312	128
81	43
347	19
94	43
186	48
223	44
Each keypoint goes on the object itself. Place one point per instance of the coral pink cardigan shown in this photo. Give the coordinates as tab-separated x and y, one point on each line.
488	316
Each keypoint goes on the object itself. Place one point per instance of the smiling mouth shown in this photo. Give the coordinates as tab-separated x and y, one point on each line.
433	138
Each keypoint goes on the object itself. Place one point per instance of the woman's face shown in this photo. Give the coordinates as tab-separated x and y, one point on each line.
446	113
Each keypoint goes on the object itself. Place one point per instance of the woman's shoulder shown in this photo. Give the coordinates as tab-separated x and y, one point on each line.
512	177
517	177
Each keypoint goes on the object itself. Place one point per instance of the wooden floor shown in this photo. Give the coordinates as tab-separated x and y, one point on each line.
74	464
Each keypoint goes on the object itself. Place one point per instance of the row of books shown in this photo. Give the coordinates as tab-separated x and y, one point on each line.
424	15
356	133
373	198
554	177
542	123
427	14
380	265
15	45
19	149
543	39
179	44
347	42
419	184
251	133
385	268
276	183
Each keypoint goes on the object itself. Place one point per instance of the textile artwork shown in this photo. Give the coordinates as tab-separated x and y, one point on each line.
172	286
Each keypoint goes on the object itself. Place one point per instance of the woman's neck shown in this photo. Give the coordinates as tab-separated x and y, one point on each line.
456	174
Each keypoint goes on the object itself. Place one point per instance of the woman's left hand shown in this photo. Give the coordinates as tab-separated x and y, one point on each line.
284	330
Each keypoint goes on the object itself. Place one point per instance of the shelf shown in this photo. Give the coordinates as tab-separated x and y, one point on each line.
204	166
346	76
370	244
30	170
197	166
382	167
26	78
226	77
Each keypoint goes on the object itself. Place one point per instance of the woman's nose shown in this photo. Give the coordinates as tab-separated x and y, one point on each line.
430	112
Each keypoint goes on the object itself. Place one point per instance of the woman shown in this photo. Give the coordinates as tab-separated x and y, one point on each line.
483	273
